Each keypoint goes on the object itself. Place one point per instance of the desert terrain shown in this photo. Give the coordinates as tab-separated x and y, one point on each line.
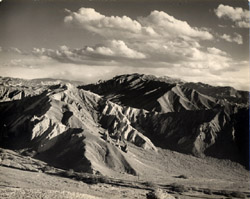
133	136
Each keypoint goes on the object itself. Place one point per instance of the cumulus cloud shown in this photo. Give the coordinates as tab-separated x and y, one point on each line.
89	19
211	60
167	25
12	50
152	54
209	65
16	50
112	50
237	38
156	25
156	44
167	55
238	15
216	51
170	42
116	48
180	53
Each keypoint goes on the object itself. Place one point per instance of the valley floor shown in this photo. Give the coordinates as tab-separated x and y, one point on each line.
180	175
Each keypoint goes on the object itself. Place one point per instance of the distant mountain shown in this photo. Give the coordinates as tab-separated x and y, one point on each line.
35	82
166	95
226	92
16	88
89	127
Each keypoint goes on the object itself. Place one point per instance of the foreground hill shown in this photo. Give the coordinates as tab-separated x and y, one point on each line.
93	128
173	176
61	125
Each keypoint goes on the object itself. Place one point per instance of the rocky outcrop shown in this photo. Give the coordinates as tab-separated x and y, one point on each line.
117	117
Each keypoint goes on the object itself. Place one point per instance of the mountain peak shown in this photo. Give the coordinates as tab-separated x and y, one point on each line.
145	77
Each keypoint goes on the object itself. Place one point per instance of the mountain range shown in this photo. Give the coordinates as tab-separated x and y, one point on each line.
91	128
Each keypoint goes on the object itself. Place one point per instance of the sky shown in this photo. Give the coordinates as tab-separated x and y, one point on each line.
87	40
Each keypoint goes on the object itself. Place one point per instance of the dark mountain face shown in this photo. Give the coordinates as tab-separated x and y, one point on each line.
228	93
166	95
88	127
138	91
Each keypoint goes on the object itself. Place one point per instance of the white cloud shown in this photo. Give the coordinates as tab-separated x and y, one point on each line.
158	25
243	24
166	25
116	48
216	51
222	26
157	44
171	54
170	42
89	19
237	38
238	15
16	50
12	50
176	53
184	54
209	65
113	49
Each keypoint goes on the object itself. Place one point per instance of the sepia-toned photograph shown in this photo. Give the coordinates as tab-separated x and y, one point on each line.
124	99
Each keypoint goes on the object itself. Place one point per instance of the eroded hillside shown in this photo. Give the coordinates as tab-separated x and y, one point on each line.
90	128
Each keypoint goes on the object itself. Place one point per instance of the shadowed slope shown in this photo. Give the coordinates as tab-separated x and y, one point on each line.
153	94
62	126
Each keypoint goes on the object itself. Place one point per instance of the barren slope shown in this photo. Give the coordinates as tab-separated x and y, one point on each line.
124	126
62	126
